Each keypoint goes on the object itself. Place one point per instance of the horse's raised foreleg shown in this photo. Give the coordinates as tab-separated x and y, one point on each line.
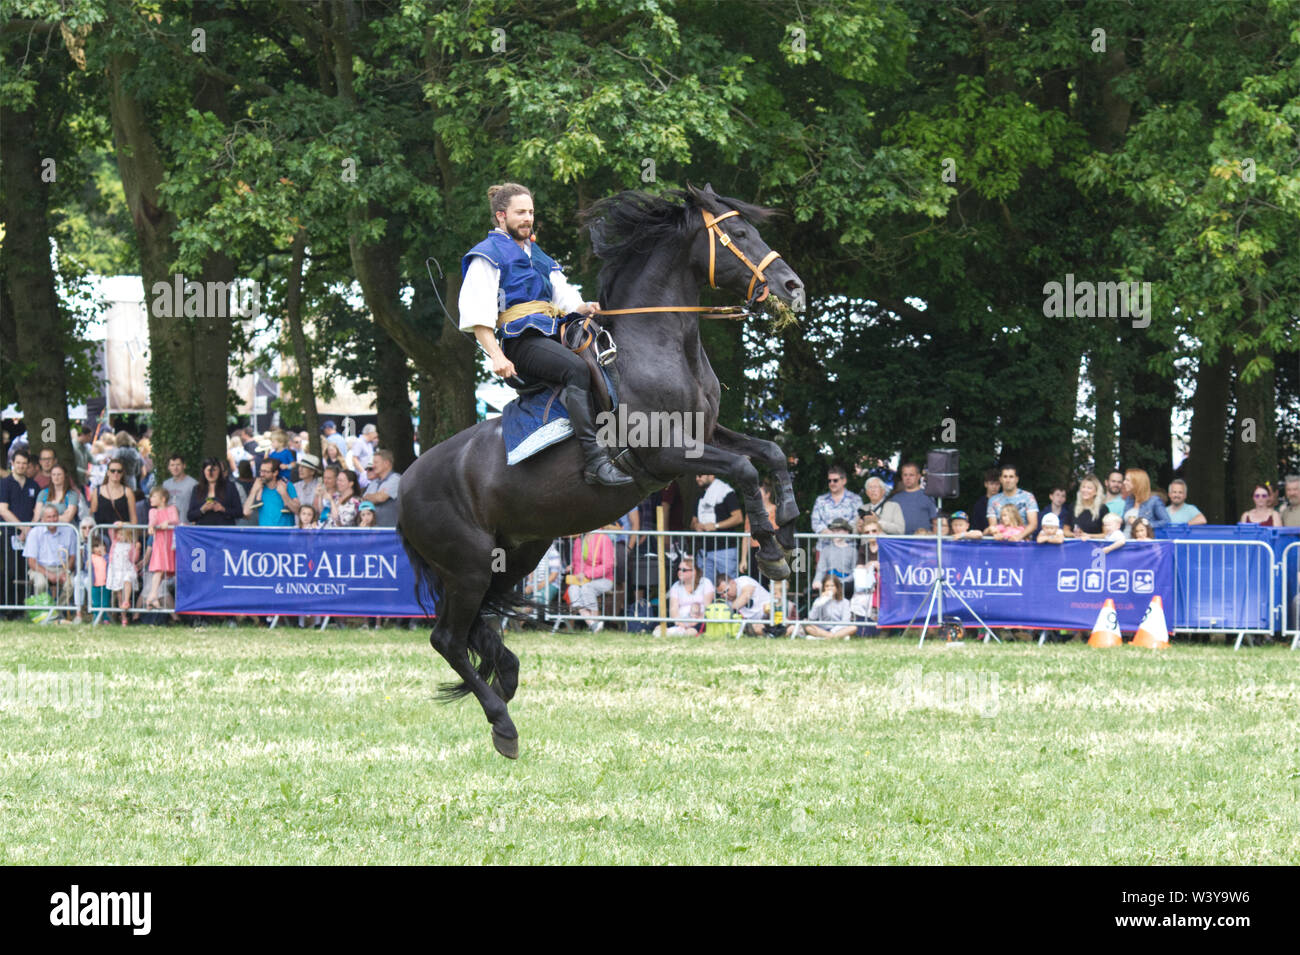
770	455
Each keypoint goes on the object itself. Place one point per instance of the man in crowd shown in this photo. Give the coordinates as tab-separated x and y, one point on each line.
1180	512
1114	500
50	552
748	598
273	498
1023	501
718	509
47	460
81	452
17	506
918	510
180	486
838	503
362	452
1290	508
384	482
979	512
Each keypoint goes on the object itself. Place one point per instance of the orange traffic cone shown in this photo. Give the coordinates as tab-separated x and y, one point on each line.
1153	633
1105	632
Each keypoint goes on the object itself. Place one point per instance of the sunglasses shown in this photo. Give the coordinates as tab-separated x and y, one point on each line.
114	470
1260	497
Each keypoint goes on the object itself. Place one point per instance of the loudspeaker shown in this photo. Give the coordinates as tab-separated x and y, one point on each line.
941	473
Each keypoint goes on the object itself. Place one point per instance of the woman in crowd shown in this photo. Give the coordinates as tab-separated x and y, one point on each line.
687	599
345	503
590	574
235	452
889	513
114	502
1010	526
330	454
1088	507
1261	513
146	480
214	501
130	459
61	494
1140	502
831	617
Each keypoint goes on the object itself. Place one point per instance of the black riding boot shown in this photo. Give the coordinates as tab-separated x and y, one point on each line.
599	468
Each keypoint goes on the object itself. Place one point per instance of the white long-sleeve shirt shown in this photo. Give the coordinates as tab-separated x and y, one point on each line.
478	293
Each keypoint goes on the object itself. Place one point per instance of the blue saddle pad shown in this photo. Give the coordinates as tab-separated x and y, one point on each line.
536	421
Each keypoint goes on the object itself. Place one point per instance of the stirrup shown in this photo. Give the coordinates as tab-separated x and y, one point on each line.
606	350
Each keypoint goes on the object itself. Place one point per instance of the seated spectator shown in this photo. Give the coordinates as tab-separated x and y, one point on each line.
960	529
1011	493
980	509
543	584
1140	502
747	598
831	616
1009	526
888	513
687	599
839	557
1181	512
1052	532
837	502
307	517
1142	530
1058	506
918	510
590	574
1112	530
1261	513
865	603
1089	508
50	552
60	492
1290	509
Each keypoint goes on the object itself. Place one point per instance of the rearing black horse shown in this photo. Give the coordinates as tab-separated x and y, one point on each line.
462	508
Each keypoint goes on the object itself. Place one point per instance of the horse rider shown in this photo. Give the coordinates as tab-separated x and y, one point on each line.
515	292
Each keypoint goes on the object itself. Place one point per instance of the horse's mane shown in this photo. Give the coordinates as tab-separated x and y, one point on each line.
626	227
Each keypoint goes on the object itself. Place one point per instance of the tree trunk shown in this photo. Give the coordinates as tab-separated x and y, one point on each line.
34	323
1255	435
393	401
1204	470
1146	412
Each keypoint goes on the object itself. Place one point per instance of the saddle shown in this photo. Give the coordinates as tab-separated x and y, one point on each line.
584	337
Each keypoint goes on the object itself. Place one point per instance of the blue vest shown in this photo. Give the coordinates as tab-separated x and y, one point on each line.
524	278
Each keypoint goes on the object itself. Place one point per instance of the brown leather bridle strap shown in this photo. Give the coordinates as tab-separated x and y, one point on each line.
726	311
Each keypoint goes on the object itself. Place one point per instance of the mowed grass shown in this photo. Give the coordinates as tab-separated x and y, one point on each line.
222	746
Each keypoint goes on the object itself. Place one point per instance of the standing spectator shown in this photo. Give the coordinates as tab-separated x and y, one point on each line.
236	451
50	551
383	492
1290	510
46	461
1059	506
918	510
1180	512
1115	492
1261	513
332	436
122	557
114	502
837	502
309	482
81	455
163	518
329	486
591	573
687	599
980	511
132	463
1140	502
718	509
272	497
889	514
215	502
346	501
1088	508
179	486
1022	500
147	477
361	453
839	556
65	498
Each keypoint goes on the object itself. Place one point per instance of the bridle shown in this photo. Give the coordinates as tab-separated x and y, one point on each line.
716	235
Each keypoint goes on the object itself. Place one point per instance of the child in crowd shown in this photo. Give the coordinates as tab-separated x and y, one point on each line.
1142	530
959	525
163	519
1111	531
306	517
99	599
1010	526
122	557
366	516
1052	532
831	617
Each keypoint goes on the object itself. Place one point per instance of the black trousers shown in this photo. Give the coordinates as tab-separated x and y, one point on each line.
537	358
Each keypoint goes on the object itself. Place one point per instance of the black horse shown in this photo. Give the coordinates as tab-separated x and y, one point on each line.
474	526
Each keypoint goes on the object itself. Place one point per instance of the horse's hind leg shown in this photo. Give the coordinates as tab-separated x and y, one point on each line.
458	613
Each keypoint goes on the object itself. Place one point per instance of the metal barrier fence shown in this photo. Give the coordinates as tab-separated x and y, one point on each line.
1223	587
1290	590
57	554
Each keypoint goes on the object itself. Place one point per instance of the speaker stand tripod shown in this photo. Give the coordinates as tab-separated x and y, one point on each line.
939	584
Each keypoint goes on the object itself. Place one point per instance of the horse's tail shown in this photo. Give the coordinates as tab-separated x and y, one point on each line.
427	583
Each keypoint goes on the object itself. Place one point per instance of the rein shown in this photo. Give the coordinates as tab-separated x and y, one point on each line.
733	312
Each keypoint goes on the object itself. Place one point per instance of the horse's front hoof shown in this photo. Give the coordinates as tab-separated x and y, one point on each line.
507	746
776	569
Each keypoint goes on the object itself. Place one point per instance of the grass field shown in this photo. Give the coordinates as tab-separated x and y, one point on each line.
254	746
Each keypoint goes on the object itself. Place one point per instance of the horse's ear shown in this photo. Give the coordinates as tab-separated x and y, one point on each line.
708	190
